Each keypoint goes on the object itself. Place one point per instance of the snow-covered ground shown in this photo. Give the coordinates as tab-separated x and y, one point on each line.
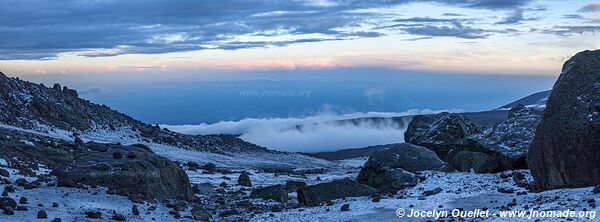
468	191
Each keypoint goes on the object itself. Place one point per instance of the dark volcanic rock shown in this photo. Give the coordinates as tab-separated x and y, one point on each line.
149	175
4	173
316	194
42	214
390	180
407	156
93	214
200	213
8	202
566	149
275	192
479	162
439	132
509	141
244	179
387	169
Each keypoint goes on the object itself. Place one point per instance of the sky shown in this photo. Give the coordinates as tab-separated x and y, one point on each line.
171	37
190	62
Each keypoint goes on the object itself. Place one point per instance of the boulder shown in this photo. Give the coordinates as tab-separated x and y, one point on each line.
509	141
565	151
244	179
149	175
275	192
439	132
390	180
314	195
407	156
478	162
200	213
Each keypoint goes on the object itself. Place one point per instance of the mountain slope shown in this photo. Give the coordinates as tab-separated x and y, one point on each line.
38	108
536	101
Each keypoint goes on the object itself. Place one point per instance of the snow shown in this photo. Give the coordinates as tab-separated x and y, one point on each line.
460	189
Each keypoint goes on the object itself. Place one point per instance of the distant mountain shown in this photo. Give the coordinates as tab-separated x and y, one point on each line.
38	108
536	101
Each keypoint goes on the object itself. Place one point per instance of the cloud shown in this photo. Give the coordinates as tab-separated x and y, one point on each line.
515	17
591	7
376	96
570	30
322	132
573	16
454	29
37	29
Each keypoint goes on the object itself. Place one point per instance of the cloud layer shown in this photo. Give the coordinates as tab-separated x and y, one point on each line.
323	132
38	29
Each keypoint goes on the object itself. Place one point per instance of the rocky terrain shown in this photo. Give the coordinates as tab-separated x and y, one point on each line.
58	110
66	159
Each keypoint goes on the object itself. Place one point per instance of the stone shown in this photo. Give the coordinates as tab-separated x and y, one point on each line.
565	151
134	210
200	213
508	141
244	179
149	176
210	167
23	200
94	214
314	195
42	214
4	173
345	207
7	202
8	211
118	217
410	157
78	141
274	192
466	161
439	132
432	192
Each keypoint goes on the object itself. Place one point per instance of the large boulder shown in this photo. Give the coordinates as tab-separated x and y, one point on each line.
509	141
407	156
566	149
394	168
478	162
148	175
439	132
314	195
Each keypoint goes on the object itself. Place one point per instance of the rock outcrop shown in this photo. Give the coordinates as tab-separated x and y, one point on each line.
509	141
566	149
394	168
439	132
148	175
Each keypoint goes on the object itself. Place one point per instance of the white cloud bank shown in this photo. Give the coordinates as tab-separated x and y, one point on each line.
318	133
